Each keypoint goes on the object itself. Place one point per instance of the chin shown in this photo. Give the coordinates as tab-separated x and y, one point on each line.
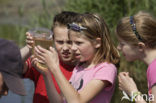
66	59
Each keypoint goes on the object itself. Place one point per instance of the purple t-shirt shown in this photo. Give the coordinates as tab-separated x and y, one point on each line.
151	78
104	71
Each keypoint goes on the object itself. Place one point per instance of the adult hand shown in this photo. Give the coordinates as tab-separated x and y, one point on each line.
126	83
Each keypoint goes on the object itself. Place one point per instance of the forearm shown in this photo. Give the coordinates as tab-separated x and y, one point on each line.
71	95
53	96
25	53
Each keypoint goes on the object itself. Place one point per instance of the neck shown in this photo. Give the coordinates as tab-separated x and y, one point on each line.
86	64
150	55
71	64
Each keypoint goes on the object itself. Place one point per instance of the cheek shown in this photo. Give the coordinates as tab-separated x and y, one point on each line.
87	52
58	47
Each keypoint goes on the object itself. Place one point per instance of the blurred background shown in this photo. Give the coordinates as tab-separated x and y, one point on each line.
19	16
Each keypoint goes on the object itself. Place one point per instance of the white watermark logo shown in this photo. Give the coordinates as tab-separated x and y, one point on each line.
142	97
125	96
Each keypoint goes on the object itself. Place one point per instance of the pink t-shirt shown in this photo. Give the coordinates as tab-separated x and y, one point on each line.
104	71
151	78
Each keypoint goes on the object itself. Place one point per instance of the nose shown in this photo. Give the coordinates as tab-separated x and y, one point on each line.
66	47
74	48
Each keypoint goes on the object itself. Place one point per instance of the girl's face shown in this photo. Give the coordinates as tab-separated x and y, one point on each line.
129	52
82	47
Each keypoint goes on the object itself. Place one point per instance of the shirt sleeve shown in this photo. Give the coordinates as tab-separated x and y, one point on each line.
31	73
106	72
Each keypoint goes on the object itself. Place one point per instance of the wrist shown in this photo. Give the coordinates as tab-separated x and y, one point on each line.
130	93
46	74
29	49
54	68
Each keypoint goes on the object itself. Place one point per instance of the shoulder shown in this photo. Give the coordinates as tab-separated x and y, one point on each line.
151	68
105	66
106	71
153	64
151	71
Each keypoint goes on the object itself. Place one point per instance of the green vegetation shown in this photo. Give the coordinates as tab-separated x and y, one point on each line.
110	10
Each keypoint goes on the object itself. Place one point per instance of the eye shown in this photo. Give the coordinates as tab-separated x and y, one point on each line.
78	43
60	42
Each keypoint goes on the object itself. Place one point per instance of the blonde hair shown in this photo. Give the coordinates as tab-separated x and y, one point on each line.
97	28
145	26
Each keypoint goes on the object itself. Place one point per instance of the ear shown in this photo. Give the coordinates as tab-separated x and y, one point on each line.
97	42
141	46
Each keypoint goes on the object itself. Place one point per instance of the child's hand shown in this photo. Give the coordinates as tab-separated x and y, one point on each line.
35	62
126	83
50	57
29	41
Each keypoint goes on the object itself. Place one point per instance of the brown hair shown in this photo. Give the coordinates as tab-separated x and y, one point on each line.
145	26
64	18
97	28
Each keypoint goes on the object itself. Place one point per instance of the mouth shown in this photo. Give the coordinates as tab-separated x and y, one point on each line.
77	55
66	54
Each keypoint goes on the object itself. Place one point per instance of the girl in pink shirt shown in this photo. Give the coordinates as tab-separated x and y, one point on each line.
137	41
93	78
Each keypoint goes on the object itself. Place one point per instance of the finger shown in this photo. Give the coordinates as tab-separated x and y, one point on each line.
29	38
123	78
127	73
40	57
120	89
122	74
29	41
32	56
27	33
40	61
42	49
51	49
38	51
34	62
119	78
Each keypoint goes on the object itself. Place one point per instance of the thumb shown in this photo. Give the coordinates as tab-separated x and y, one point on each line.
51	49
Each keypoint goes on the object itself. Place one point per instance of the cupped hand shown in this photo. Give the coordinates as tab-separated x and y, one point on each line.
50	57
36	63
126	83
